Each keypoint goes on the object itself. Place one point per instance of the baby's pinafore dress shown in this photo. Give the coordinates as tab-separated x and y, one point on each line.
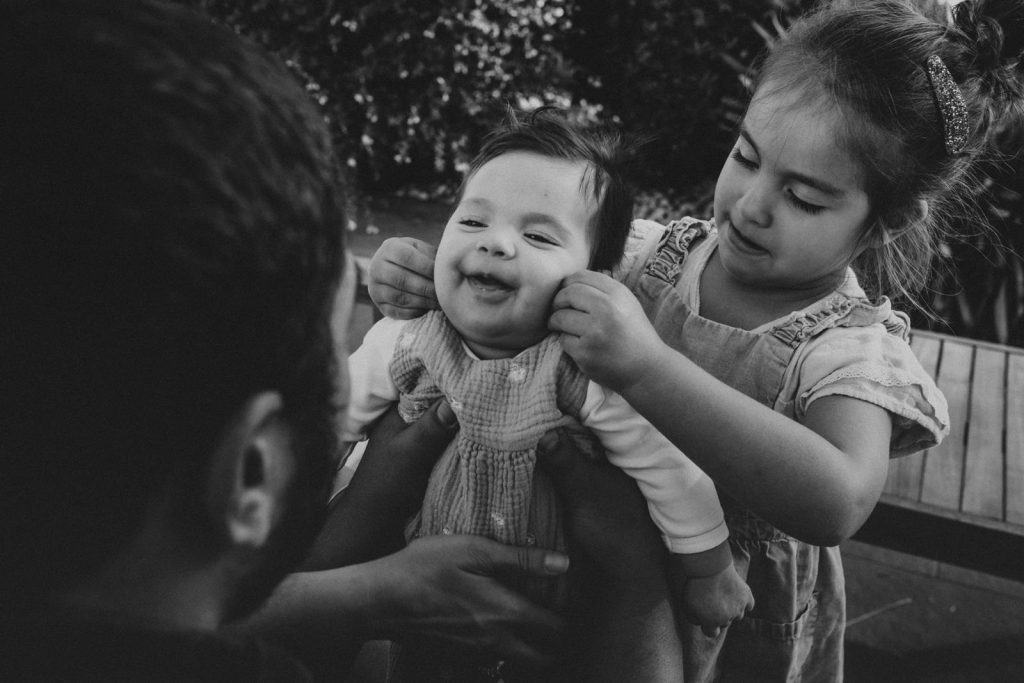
486	482
795	631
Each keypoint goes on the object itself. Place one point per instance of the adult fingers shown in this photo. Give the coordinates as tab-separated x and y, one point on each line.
421	442
367	519
580	481
493	559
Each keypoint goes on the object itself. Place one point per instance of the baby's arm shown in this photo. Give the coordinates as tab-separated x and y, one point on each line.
817	480
402	278
682	502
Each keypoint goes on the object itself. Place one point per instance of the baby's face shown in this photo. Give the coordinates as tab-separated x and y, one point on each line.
520	228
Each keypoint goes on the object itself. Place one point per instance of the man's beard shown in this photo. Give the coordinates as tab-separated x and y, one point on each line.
305	507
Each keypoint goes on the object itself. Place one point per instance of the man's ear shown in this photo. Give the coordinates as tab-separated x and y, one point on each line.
251	470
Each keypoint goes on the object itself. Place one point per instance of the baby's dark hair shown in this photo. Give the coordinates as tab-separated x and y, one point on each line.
867	60
547	131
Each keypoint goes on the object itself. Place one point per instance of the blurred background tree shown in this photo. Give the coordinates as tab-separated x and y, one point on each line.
408	87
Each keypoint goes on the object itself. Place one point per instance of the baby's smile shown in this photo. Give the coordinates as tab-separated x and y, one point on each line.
485	283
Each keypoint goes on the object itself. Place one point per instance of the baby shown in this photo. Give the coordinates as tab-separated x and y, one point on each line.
542	200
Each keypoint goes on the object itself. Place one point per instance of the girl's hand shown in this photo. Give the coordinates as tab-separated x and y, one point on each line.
604	329
713	602
402	278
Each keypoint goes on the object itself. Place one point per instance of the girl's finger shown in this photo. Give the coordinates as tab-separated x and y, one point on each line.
568	321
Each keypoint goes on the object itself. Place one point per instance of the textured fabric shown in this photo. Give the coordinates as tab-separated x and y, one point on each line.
795	632
482	484
842	344
681	499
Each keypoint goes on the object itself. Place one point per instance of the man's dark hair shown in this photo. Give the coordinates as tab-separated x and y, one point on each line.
172	241
547	131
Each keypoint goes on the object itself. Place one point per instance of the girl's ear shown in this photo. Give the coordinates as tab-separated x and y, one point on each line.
919	212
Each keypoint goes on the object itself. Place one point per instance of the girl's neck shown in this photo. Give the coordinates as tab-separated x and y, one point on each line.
725	300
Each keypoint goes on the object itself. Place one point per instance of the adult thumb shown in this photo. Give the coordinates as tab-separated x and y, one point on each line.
556	452
436	426
508	559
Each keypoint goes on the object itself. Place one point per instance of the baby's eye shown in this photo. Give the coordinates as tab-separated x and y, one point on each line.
805	206
472	223
743	161
539	237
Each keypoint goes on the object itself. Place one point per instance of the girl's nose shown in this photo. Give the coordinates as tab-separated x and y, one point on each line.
754	206
498	243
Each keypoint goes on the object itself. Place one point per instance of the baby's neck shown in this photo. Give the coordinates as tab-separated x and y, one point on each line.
490	352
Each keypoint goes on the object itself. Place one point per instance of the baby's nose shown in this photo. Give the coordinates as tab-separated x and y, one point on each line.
497	243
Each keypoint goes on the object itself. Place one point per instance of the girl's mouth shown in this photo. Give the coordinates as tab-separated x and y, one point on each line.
745	244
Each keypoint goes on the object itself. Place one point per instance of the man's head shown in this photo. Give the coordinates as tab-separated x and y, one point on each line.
543	199
172	246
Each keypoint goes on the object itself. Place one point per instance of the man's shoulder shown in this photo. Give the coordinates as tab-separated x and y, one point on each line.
77	649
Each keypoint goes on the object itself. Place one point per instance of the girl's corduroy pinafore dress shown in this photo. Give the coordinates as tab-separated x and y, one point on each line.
795	631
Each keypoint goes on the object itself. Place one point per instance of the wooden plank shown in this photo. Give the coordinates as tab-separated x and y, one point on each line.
977	343
943	470
983	464
904	480
990	546
926	348
1015	439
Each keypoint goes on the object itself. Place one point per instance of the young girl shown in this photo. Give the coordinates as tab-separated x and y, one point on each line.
542	200
754	347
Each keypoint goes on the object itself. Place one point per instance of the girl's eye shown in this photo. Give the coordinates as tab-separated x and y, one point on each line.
806	207
743	161
539	237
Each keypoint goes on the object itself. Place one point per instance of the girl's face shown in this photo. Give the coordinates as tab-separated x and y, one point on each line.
521	226
790	204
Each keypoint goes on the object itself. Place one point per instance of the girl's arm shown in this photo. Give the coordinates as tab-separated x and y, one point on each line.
817	481
402	278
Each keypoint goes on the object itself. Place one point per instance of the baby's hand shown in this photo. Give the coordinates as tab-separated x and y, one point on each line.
713	602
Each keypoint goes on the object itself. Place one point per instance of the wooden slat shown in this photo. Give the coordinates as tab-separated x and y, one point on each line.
974	472
983	466
926	348
943	470
1015	439
904	478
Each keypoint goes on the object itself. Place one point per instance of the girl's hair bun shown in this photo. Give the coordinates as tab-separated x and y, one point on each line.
992	34
997	29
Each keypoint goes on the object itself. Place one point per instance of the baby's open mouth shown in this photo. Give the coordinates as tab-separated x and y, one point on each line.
486	283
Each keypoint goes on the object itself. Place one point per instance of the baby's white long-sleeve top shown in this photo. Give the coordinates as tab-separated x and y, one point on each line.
681	498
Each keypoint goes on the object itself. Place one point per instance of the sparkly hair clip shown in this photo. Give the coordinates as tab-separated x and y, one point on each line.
952	108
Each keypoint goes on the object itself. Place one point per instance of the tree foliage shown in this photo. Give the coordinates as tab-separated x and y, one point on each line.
409	87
